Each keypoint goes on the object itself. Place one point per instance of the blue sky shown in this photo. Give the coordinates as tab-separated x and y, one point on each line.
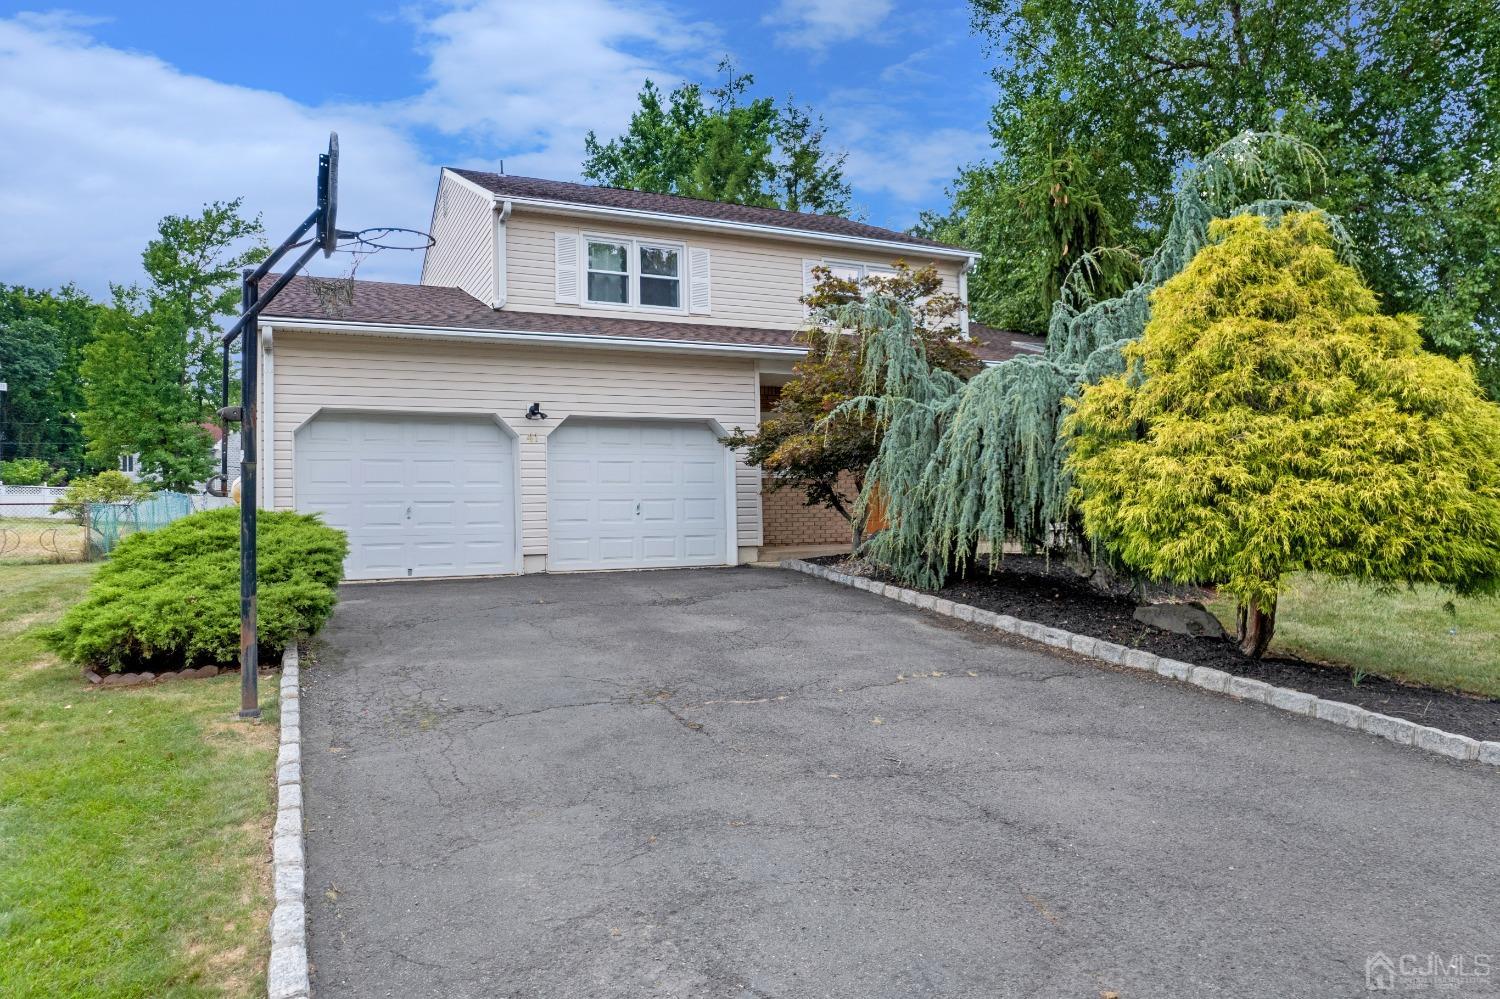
118	113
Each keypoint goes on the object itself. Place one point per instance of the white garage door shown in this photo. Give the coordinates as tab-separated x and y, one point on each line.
418	495
632	494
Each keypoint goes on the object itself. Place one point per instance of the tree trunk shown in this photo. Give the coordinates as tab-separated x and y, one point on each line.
1255	625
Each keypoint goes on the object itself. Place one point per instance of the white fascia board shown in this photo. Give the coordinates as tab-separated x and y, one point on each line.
694	222
463	181
533	338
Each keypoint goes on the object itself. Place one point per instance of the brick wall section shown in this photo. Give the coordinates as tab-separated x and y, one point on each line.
787	521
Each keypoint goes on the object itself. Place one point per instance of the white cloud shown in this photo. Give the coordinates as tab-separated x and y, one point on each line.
817	24
895	149
533	78
100	143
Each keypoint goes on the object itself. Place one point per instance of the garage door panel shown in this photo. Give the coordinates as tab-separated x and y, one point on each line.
657	510
485	514
635	494
419	495
612	511
617	548
701	511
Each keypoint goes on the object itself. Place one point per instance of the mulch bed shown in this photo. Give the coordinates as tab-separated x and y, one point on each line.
1051	594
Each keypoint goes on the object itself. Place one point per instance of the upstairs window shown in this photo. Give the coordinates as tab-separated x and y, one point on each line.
608	272
633	273
661	277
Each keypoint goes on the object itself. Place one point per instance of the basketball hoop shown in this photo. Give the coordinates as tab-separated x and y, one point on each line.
387	238
319	231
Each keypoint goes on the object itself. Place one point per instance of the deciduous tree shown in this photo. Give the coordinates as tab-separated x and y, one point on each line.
1398	94
798	445
721	146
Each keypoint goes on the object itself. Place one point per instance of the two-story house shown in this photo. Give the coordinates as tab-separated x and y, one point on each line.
551	395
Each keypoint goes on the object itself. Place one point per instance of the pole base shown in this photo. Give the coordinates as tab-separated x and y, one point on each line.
249	712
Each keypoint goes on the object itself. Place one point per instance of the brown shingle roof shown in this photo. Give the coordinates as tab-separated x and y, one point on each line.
510	186
453	308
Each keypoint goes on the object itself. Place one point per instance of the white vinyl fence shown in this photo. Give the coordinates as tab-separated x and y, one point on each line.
31	501
36	501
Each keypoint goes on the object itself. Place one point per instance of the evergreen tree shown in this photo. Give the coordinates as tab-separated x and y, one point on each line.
1271	421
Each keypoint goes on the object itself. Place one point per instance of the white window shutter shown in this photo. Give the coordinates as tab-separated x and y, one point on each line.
809	280
567	268
699	301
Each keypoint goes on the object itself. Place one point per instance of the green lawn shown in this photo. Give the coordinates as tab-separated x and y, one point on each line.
134	824
1406	635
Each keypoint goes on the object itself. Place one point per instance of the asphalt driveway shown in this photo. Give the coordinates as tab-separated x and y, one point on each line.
750	783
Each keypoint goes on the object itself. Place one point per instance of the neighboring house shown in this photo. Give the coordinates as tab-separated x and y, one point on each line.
551	395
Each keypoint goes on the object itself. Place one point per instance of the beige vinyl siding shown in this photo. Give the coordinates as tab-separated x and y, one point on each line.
754	281
463	254
315	371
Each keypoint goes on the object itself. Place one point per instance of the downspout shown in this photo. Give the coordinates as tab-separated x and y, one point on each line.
963	291
497	301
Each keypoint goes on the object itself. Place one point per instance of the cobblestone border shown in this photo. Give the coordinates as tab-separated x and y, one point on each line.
1397	730
287	976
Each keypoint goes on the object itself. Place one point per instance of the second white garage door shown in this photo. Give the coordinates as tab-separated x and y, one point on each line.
417	495
635	494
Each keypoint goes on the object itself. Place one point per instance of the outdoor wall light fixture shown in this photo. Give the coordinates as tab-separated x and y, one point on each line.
535	412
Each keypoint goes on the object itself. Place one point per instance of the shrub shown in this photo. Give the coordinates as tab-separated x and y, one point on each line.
59	477
170	598
106	487
1273	421
23	472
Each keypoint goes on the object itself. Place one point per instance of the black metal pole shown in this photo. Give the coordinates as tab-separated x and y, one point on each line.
249	637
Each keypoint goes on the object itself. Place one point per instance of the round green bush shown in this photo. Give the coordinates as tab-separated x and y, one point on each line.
170	599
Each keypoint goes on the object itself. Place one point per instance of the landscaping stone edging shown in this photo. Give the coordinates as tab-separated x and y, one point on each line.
1388	727
287	975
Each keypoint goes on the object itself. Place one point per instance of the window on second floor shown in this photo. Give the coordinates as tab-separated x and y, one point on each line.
629	272
609	272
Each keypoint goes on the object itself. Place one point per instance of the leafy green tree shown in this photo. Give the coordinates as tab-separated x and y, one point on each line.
29	356
138	395
194	265
723	147
798	444
1398	94
50	428
23	472
106	487
1271	421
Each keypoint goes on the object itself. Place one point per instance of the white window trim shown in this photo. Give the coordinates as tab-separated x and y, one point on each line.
584	240
633	247
682	286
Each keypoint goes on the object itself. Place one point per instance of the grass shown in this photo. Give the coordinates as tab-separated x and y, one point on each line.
135	823
1407	635
28	540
